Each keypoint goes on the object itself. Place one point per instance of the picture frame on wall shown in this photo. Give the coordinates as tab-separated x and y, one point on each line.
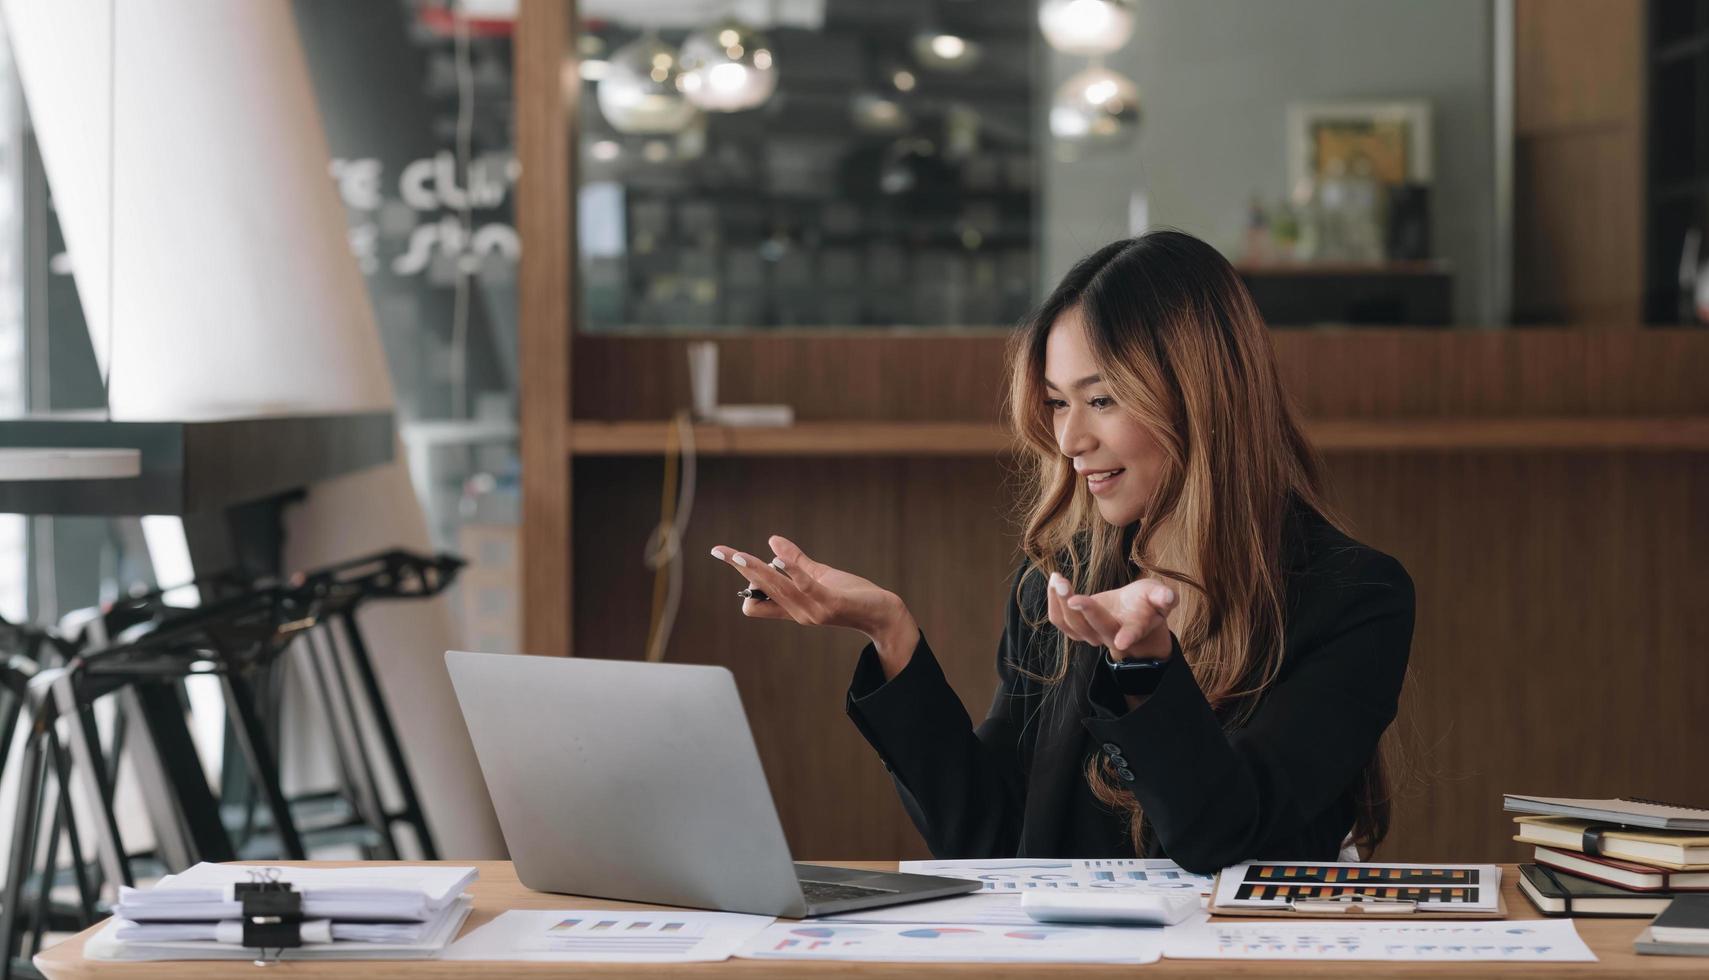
1331	139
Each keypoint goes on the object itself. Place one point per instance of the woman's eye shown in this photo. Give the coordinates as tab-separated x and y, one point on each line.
1056	404
1102	402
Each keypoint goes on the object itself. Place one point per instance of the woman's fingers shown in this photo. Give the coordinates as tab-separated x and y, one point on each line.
1162	597
1145	605
1147	591
1054	607
1106	625
725	553
793	558
1135	626
772	582
1076	619
758	609
1067	620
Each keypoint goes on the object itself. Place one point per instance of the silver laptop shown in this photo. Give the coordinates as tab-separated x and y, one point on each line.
640	781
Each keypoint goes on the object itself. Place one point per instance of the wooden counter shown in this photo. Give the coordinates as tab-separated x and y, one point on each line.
498	890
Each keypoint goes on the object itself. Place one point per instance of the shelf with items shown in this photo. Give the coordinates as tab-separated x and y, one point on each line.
1421	267
939	439
1415	293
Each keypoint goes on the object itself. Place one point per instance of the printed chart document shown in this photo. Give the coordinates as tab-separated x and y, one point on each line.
978	908
953	942
1544	940
1273	885
1014	875
607	936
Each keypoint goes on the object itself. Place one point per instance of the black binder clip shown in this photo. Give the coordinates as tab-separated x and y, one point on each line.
272	914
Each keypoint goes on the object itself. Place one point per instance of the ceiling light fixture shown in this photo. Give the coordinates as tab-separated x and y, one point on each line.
639	92
728	68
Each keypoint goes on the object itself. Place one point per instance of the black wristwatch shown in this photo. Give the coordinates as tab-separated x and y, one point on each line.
1136	677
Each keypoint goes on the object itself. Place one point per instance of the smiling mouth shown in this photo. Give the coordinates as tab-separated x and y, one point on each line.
1105	476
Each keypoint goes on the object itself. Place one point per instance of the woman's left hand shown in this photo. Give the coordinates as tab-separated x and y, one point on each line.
1132	621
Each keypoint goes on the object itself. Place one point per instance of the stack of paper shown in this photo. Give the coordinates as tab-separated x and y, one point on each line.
359	913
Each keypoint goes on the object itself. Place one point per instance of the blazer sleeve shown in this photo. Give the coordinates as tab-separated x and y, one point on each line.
1215	799
963	786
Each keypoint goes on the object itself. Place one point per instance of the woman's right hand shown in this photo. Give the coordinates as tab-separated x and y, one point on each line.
815	594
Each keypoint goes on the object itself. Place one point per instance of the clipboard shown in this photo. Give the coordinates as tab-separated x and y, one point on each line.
1348	890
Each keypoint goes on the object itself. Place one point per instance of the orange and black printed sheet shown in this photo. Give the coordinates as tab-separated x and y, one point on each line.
1277	885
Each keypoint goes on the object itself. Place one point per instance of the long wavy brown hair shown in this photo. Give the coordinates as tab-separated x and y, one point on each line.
1178	340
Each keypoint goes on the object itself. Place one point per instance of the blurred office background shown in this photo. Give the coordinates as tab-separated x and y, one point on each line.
1476	227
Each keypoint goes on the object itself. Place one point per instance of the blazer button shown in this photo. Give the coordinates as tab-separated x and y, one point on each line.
1112	748
1125	773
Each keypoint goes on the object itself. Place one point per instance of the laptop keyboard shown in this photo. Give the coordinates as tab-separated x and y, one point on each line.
820	892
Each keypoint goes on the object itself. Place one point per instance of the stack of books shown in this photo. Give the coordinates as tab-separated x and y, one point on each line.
1681	930
1616	857
223	911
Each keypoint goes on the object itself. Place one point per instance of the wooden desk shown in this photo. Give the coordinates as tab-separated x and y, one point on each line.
498	890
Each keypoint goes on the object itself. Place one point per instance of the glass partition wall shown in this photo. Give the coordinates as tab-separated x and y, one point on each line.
416	99
877	163
748	164
834	163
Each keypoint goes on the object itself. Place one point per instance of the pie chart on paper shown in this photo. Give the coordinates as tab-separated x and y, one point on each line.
935	932
827	932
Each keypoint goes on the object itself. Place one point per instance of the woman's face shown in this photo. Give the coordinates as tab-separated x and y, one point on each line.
1093	431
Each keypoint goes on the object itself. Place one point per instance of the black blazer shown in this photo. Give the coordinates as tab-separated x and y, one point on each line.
1279	787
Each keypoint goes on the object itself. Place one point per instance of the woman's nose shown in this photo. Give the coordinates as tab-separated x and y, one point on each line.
1073	438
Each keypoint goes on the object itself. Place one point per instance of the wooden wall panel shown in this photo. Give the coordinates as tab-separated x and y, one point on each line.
930	530
1364	374
1578	216
845	376
1577	63
1578	170
1557	648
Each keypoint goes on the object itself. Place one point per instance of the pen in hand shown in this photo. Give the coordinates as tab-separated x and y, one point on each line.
755	594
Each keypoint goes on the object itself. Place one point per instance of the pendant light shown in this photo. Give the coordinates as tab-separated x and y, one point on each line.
640	91
728	67
1086	27
1095	106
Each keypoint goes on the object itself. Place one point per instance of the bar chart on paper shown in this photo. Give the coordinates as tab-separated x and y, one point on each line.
1272	885
645	935
609	936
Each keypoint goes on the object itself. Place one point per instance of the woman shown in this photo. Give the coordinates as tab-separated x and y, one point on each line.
1197	662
